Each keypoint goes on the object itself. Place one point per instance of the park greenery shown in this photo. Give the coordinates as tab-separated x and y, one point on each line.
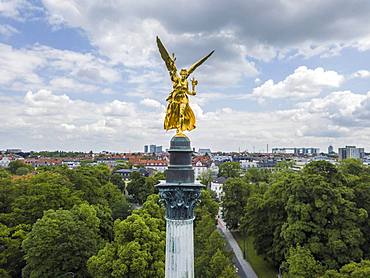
60	222
311	223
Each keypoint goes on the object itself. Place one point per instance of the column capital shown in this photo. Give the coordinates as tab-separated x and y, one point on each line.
180	201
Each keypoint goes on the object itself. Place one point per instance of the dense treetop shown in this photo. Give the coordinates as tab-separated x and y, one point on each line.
314	221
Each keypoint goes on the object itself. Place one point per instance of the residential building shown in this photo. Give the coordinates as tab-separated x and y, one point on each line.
153	149
214	169
222	158
13	150
157	165
199	168
4	161
217	186
351	152
246	164
205	152
43	161
297	151
126	173
158	149
71	164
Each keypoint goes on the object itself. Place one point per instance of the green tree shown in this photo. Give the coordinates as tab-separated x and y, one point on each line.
122	165
351	270
88	181
208	242
116	201
61	242
229	170
15	164
236	194
104	213
301	264
21	171
7	193
255	175
220	266
11	255
154	209
38	194
357	177
285	165
206	178
269	207
207	204
137	249
159	176
117	180
4	174
323	217
140	187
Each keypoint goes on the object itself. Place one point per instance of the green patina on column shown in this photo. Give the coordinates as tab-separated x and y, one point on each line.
180	192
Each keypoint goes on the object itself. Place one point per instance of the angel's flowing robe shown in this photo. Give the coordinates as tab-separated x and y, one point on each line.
177	99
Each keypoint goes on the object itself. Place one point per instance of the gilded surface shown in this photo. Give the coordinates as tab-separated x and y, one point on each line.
179	114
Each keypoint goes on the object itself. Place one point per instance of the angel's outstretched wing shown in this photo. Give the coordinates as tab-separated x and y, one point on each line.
170	61
197	64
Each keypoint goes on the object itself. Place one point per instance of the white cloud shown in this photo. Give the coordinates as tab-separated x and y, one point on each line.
11	8
340	114
65	123
303	83
361	74
59	70
18	9
125	31
128	38
118	108
7	30
19	65
69	84
151	103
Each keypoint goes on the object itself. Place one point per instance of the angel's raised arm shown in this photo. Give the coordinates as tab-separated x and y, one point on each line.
170	61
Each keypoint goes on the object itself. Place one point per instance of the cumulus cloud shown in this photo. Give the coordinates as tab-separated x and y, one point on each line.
18	10
45	120
361	74
151	103
11	8
59	70
246	35
341	114
266	29
303	83
75	124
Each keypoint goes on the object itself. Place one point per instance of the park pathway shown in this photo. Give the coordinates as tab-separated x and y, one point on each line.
243	265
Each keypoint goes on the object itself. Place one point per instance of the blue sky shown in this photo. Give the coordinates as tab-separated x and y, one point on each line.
86	75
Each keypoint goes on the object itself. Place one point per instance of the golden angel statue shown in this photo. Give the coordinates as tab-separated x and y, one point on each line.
179	115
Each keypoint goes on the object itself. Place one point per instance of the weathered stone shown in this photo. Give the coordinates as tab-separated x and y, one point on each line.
180	193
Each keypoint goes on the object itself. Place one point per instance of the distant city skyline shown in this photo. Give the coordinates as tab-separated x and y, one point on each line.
86	75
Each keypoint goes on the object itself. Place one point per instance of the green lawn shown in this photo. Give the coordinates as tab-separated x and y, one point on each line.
263	268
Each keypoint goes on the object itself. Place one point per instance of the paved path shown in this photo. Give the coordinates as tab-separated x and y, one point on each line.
245	269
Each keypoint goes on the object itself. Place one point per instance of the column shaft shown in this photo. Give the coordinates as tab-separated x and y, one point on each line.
179	249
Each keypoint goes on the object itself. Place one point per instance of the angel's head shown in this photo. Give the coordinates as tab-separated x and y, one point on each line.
183	74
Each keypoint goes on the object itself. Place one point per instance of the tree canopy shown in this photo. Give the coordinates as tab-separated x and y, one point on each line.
61	242
229	170
309	222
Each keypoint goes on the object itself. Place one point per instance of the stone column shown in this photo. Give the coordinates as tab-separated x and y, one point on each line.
179	248
180	193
